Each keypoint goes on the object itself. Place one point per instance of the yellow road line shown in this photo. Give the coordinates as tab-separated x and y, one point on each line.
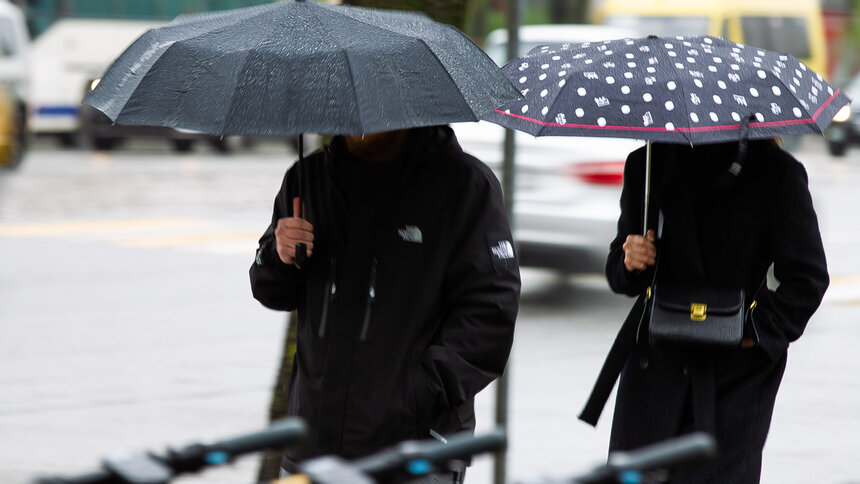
190	239
49	229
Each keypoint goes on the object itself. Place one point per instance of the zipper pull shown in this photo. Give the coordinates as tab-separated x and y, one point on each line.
371	298
328	297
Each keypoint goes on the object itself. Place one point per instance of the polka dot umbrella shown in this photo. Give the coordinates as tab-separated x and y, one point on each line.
694	90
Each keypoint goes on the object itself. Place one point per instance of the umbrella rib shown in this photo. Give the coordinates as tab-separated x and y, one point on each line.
233	94
345	53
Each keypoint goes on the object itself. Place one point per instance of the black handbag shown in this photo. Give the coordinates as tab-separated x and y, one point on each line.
683	315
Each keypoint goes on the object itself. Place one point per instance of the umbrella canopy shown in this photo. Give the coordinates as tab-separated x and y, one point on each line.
300	66
693	90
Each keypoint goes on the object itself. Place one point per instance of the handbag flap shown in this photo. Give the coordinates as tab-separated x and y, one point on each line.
679	298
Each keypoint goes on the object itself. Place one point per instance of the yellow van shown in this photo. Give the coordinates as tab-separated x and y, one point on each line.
791	26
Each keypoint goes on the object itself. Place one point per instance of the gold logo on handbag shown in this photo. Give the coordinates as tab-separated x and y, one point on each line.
698	311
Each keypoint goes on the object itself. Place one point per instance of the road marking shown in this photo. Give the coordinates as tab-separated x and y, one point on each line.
54	229
208	238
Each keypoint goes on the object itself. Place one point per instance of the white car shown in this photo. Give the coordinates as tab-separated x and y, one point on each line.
567	189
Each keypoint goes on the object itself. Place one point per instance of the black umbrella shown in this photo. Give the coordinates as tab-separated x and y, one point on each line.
300	66
292	67
675	89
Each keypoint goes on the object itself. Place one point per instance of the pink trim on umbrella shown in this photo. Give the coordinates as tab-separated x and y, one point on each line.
724	127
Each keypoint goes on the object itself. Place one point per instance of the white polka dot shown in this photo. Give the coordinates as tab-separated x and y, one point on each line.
669	105
523	79
718	99
542	77
797	112
735	67
668	46
631	65
561	83
610	80
670	127
629	56
545	66
736	116
691	60
562	73
754	92
601	122
651	69
714	117
556	57
718	60
673	54
625	109
647	97
721	84
608	52
762	74
671	85
776	91
698	83
628	75
579	112
581	91
625	89
679	65
694	117
525	108
544	110
712	68
759	117
544	93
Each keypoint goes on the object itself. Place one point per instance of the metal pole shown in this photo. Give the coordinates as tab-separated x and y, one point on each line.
647	186
501	460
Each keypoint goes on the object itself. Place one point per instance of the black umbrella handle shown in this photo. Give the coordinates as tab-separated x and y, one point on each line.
301	248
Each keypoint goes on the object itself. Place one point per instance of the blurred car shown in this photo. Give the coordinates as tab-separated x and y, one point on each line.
14	83
566	189
100	132
845	129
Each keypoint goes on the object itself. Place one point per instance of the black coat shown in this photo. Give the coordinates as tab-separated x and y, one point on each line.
407	306
722	231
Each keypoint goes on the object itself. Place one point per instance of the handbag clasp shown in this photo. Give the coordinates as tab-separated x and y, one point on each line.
698	311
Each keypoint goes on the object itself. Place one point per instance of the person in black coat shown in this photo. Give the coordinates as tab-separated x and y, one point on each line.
407	301
710	227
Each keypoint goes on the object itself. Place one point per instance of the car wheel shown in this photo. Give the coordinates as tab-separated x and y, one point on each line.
68	140
183	145
837	148
104	144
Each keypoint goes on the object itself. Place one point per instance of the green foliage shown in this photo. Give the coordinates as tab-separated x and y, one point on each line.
446	11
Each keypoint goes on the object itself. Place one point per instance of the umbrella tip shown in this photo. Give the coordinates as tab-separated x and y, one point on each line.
652	36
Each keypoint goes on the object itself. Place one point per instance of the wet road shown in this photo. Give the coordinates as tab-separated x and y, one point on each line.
127	324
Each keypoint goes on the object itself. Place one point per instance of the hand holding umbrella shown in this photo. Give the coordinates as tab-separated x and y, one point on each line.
293	232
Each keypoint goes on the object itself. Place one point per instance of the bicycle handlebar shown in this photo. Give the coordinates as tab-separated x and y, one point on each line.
150	468
412	457
670	454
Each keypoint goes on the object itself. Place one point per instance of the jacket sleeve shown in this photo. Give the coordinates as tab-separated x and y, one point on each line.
482	287
273	283
799	262
630	221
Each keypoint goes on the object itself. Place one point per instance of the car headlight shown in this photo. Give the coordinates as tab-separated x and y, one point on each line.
843	114
94	83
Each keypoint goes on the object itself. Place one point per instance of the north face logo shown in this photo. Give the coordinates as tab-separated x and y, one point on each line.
411	233
504	250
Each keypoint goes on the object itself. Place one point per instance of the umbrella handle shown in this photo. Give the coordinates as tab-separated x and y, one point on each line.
301	255
301	248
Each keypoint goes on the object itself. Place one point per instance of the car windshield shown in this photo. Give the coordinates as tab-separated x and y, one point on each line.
7	38
779	34
662	26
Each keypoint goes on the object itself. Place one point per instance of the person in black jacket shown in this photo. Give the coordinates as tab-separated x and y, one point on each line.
407	301
719	230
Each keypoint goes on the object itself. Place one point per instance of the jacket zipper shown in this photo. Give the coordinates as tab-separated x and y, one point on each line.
328	296
371	297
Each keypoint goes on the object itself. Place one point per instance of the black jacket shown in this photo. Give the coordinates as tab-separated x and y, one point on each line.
724	232
407	307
